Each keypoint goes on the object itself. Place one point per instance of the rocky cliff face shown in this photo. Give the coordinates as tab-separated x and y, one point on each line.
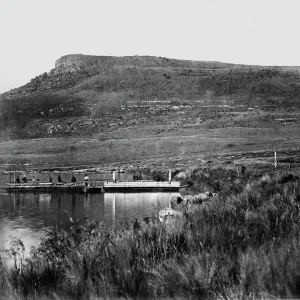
75	62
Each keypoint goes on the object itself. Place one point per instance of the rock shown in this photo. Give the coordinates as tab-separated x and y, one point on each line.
181	202
187	199
177	202
181	175
168	215
202	197
196	199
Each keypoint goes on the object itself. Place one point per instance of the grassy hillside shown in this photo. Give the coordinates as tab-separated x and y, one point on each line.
108	98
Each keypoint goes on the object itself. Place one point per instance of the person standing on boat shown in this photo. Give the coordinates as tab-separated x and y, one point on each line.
59	178
243	169
18	179
24	179
33	179
73	179
86	179
50	178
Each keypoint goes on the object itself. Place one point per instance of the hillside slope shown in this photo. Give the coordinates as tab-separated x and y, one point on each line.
120	99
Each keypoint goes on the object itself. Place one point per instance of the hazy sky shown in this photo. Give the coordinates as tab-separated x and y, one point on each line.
34	33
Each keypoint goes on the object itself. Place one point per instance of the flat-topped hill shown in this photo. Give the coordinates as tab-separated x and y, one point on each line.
168	77
80	60
127	100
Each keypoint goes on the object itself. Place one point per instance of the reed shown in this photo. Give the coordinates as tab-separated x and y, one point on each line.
242	244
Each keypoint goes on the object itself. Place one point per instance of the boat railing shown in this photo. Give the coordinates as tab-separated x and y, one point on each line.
142	183
143	180
91	183
98	184
38	183
22	184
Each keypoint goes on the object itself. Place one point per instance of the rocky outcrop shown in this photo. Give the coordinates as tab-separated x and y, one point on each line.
75	62
68	61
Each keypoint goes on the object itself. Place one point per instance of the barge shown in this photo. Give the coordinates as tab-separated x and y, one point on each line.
95	186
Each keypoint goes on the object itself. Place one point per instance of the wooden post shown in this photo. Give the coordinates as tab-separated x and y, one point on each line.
114	175
170	175
275	160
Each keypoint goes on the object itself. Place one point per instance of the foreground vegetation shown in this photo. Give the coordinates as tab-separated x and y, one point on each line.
242	244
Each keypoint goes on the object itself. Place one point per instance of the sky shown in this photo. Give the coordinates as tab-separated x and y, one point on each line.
35	33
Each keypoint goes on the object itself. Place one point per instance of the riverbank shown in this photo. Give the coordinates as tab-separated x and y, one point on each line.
243	244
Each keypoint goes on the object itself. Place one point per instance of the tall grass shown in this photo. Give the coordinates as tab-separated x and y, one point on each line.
239	245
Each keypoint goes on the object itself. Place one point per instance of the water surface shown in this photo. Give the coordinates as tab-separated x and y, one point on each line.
28	215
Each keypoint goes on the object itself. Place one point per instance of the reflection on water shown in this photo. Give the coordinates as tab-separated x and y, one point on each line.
26	216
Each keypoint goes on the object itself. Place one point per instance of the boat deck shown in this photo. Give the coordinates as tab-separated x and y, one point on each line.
142	185
95	186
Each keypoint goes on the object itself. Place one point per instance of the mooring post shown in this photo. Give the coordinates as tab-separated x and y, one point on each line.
275	160
170	175
114	175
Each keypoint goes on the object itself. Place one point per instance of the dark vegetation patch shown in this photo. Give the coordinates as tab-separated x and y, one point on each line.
289	178
20	112
219	180
41	106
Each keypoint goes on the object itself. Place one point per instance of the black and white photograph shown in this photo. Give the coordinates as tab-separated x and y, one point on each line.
149	149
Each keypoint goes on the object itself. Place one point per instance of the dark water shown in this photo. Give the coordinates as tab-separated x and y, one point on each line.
27	215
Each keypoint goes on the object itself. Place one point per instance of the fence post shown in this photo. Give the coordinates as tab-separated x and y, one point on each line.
238	171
